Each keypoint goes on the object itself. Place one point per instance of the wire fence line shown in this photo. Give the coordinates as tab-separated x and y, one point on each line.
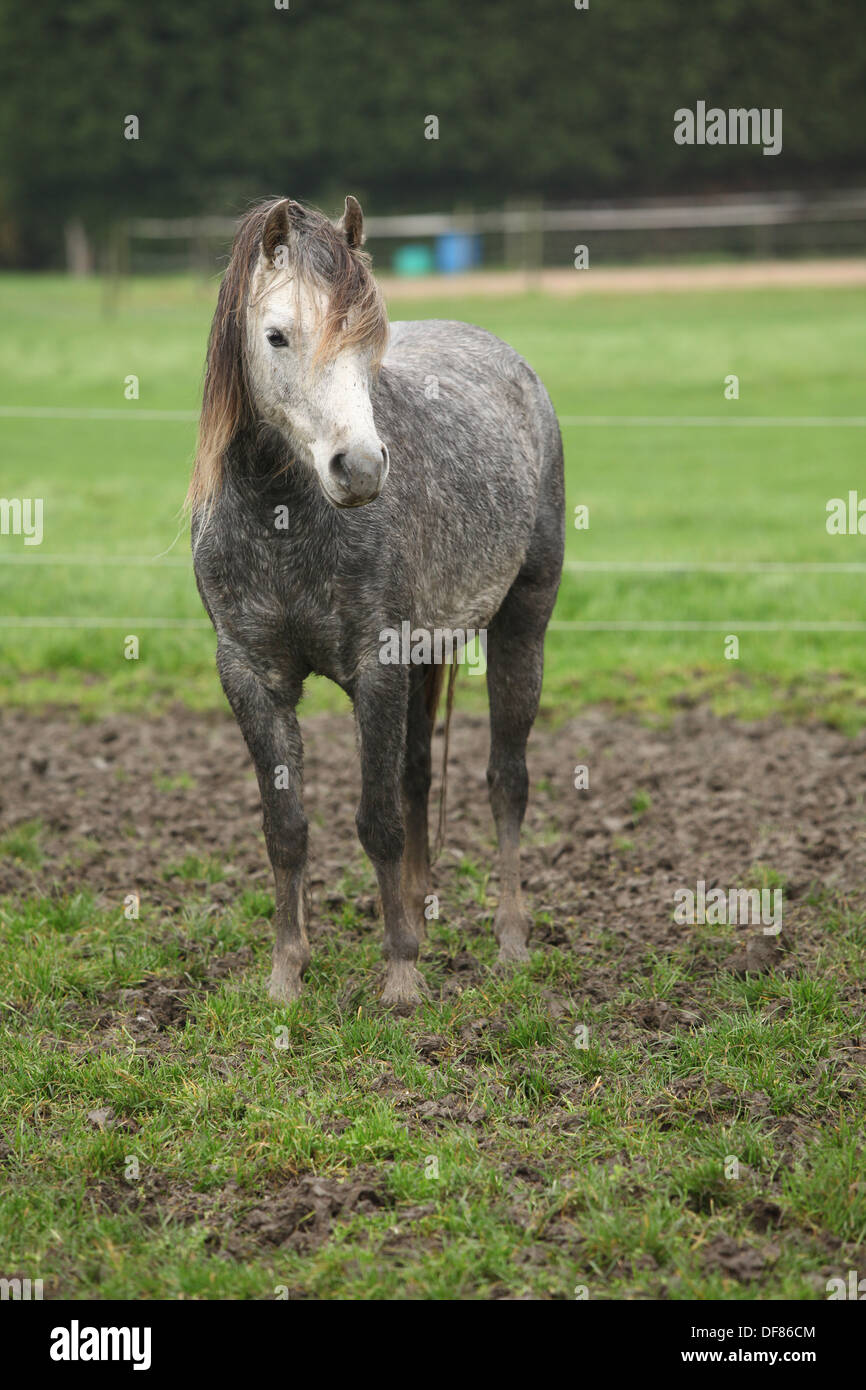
64	412
732	626
733	567
127	624
719	421
61	412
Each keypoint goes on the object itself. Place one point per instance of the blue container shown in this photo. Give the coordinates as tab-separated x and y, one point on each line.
412	259
456	252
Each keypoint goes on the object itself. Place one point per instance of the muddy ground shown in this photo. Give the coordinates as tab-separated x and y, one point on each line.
124	800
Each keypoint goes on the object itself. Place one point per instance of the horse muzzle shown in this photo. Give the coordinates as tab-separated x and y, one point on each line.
357	476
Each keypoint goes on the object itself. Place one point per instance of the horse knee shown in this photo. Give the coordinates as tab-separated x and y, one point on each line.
508	784
381	833
286	836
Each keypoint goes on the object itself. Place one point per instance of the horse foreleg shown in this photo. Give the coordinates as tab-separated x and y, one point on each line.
381	699
268	722
416	791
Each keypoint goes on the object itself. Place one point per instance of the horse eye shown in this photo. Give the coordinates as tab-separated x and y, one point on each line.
275	338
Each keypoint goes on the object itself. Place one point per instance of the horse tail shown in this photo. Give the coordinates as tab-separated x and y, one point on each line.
432	692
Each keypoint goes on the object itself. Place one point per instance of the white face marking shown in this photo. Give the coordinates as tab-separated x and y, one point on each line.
322	409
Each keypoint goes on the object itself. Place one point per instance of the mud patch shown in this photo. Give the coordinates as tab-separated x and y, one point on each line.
283	1212
743	1262
170	807
161	1003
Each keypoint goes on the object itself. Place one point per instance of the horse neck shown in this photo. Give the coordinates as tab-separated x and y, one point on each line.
262	476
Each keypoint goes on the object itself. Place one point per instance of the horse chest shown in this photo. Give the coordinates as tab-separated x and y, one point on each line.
316	619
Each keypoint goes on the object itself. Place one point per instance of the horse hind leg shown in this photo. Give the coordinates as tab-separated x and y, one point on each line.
515	660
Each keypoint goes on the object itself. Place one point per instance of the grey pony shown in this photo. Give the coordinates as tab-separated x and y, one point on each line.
438	499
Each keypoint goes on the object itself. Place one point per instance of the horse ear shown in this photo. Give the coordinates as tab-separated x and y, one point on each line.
351	224
282	215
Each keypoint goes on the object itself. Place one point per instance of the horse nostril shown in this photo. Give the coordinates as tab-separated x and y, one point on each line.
356	475
339	472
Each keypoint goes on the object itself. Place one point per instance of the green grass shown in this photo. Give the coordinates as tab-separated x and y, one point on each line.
569	1148
21	844
740	495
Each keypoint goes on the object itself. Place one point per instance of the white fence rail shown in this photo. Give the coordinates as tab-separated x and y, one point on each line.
532	235
732	211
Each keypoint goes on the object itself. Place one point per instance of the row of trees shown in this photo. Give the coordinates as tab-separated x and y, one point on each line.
238	98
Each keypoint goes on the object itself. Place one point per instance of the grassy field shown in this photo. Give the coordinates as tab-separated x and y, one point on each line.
739	495
499	1158
166	1131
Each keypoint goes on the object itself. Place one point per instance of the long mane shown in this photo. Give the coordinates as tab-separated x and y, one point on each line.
355	314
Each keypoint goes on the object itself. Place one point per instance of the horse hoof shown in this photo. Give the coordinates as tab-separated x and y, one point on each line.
404	988
285	988
513	952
